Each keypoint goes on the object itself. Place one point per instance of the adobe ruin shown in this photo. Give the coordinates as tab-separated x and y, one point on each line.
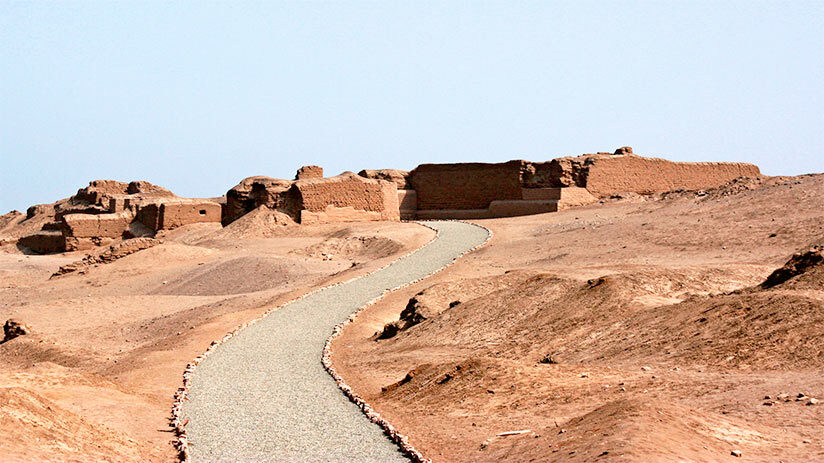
344	198
107	210
486	190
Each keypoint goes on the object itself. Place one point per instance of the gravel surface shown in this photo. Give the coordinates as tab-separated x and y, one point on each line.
264	395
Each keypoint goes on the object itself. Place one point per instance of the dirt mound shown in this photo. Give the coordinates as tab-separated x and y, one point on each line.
37	429
351	247
233	276
804	270
440	297
635	430
262	222
10	218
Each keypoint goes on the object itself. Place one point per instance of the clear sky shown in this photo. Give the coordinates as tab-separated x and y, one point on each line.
195	96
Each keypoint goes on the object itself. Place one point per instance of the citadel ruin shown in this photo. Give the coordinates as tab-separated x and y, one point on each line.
108	210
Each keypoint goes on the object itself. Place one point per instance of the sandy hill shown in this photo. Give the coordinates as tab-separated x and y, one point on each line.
679	327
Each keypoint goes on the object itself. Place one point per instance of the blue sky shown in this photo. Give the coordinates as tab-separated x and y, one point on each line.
195	96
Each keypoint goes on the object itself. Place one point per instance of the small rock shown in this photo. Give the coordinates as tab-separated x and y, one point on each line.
14	328
645	368
769	404
584	375
812	401
767	397
784	397
736	453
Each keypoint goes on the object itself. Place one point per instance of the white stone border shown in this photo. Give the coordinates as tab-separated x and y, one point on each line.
182	440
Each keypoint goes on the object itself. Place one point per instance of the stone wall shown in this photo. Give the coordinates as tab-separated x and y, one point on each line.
466	185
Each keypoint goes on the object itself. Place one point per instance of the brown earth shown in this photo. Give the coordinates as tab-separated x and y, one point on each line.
94	379
635	329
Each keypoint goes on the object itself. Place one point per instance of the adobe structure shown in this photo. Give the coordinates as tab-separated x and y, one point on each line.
311	199
486	190
107	210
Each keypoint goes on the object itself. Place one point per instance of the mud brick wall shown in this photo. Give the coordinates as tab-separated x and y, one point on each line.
44	242
307	172
177	214
149	215
348	190
465	185
97	226
608	175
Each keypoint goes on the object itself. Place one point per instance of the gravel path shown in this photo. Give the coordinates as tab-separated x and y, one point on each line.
264	396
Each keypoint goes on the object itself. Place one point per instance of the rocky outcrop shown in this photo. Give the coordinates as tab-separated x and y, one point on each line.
801	264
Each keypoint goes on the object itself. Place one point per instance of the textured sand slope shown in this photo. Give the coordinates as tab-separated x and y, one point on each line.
264	395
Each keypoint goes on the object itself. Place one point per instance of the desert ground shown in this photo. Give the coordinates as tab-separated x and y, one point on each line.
640	328
94	379
632	330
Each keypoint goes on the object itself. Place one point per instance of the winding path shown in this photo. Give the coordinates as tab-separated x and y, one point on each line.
264	396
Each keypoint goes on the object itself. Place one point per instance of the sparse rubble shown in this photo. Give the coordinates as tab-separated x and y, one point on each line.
114	252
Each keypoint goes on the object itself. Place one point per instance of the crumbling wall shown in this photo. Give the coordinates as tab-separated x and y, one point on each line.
44	242
466	185
398	177
307	172
253	192
607	175
348	190
333	214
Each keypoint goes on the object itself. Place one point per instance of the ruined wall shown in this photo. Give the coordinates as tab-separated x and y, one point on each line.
307	172
348	190
100	225
178	213
398	177
466	185
606	175
253	192
334	214
44	242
